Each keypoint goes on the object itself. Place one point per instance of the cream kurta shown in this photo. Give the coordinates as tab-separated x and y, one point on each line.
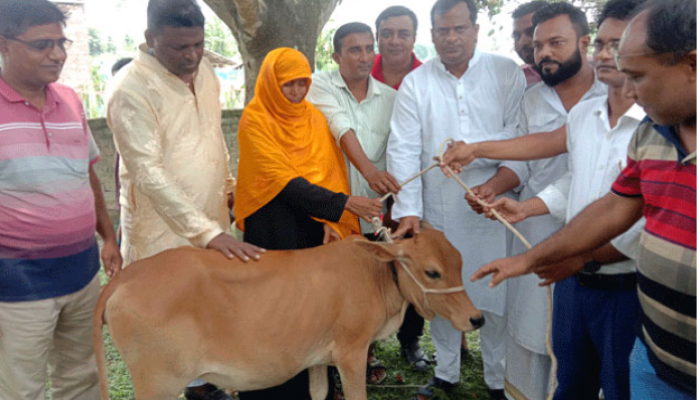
175	172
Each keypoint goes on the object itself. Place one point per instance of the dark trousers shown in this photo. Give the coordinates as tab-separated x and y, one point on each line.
593	332
296	388
411	328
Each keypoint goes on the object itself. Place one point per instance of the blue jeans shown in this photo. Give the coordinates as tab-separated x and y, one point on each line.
644	382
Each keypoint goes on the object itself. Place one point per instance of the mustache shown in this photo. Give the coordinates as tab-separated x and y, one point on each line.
548	60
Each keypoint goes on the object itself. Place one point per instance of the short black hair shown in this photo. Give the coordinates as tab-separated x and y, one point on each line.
16	16
348	29
528	8
671	26
622	10
553	10
397	11
442	7
120	64
174	13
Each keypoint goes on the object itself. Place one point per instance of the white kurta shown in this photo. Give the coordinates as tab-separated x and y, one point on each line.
368	118
433	105
541	111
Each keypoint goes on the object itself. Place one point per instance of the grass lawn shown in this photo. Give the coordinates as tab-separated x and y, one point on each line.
401	382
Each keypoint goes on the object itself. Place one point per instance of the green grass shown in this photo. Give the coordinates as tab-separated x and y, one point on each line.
399	384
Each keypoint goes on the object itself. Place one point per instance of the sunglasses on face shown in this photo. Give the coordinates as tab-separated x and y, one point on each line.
43	45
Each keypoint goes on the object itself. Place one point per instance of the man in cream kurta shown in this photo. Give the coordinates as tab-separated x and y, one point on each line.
175	173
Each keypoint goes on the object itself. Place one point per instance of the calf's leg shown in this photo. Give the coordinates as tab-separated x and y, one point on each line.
318	382
353	370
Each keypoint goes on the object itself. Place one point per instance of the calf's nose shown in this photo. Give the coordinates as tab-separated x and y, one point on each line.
477	322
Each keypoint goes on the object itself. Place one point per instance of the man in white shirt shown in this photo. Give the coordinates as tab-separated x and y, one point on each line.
561	41
595	311
467	95
522	38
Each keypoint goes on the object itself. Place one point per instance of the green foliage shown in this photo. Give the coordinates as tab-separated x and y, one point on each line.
95	42
324	51
219	39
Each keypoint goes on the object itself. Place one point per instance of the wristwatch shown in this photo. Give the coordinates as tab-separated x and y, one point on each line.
591	267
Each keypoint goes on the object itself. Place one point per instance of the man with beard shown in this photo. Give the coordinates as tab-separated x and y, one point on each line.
469	95
595	312
522	38
658	55
560	42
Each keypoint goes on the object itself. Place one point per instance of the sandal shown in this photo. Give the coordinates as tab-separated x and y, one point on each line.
376	372
416	357
435	382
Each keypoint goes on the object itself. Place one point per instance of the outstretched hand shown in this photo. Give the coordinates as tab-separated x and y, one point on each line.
458	154
502	269
485	193
513	211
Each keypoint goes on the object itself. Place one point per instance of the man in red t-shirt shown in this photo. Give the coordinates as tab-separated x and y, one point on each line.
396	35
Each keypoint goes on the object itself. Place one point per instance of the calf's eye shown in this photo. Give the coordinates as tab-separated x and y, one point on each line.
433	274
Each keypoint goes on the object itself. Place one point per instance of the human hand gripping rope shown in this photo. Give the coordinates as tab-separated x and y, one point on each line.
386	233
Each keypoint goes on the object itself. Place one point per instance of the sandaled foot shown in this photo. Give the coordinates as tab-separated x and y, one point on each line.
416	357
376	372
426	392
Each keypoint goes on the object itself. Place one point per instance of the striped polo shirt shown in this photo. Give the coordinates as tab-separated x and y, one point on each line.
47	207
661	171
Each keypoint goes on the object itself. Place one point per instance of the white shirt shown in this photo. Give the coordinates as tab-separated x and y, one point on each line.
541	111
433	105
368	118
597	155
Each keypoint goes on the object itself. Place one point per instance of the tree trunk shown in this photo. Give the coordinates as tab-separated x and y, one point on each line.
263	25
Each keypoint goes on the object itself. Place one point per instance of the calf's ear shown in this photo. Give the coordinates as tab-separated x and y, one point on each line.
381	251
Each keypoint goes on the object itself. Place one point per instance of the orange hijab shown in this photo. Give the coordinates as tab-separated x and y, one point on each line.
279	141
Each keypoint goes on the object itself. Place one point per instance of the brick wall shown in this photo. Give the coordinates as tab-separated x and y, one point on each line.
105	168
76	71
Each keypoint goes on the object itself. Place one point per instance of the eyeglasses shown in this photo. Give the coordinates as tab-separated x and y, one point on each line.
615	50
43	45
600	46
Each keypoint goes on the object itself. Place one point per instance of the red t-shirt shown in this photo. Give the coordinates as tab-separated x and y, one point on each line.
377	69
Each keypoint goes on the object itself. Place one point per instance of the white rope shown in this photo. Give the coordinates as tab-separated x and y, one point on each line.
386	233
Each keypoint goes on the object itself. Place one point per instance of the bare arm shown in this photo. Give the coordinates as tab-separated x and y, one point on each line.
111	258
525	148
380	181
596	225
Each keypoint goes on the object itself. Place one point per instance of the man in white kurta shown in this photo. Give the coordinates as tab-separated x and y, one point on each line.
466	95
542	110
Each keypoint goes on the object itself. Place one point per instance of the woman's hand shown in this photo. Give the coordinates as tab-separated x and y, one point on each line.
363	207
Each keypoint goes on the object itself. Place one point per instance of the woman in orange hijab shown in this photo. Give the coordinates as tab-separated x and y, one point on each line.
292	190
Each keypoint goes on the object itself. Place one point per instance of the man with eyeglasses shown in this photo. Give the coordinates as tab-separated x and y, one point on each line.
468	95
51	204
165	115
658	55
596	310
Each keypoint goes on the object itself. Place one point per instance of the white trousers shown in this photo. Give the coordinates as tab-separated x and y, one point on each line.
448	341
527	373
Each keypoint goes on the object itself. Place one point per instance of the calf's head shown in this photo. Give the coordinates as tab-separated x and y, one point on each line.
429	271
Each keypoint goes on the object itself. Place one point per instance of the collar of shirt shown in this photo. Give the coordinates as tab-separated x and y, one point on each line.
11	96
379	75
635	113
472	62
372	90
669	133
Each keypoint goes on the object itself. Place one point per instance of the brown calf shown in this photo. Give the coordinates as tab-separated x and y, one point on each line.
190	313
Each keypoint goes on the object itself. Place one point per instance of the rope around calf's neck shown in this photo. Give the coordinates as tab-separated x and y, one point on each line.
386	233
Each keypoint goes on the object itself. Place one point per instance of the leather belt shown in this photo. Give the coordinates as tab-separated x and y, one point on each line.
607	281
